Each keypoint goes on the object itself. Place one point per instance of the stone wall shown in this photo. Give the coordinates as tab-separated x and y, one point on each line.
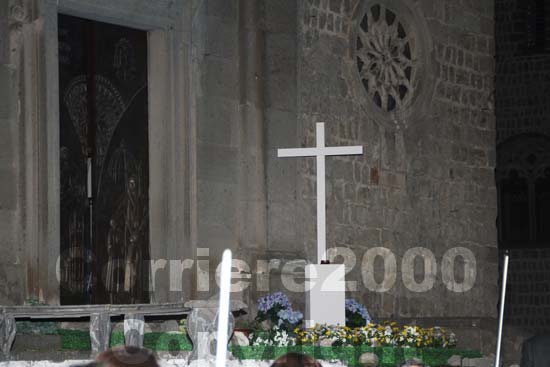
426	178
528	298
12	273
510	27
522	95
521	77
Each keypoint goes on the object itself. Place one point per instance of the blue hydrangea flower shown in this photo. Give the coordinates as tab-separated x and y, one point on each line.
292	317
355	307
266	303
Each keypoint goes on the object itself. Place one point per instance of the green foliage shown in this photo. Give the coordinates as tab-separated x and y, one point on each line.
80	340
37	327
389	356
350	355
354	319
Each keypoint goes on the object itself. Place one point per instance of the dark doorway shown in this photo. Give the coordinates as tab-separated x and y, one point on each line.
104	162
523	183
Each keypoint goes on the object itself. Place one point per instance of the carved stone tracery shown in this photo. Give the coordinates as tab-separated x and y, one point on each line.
384	58
392	61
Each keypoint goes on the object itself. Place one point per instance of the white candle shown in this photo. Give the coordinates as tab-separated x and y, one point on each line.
223	315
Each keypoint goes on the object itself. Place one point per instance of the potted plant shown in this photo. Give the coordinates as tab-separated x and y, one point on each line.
356	314
275	310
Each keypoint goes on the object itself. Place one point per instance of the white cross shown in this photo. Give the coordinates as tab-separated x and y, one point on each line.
320	151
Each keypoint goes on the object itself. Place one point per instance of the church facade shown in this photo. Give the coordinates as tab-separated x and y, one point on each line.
228	83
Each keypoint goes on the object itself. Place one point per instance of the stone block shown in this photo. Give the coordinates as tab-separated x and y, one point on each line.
217	203
281	178
12	290
219	77
223	9
221	38
280	69
282	226
455	361
368	360
478	362
281	127
218	163
6	141
8	191
218	120
240	339
280	16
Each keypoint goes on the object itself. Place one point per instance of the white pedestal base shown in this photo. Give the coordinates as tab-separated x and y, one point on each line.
325	294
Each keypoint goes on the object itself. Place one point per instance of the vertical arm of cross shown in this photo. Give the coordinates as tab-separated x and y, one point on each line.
320	152
321	205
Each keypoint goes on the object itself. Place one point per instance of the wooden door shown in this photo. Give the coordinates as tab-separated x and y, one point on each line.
104	175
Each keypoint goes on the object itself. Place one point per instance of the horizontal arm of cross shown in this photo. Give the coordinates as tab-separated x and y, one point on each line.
312	152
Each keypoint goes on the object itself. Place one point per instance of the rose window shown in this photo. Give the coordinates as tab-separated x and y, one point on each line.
385	58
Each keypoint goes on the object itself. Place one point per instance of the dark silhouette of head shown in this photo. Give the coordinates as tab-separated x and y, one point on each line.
127	357
295	360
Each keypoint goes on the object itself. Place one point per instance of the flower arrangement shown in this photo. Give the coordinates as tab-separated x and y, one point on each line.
377	335
274	337
283	330
288	318
275	309
356	314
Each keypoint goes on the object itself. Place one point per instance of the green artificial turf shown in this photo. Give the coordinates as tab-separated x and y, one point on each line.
80	340
388	356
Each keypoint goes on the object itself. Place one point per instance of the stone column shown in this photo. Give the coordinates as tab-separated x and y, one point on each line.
7	333
100	332
134	330
252	194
